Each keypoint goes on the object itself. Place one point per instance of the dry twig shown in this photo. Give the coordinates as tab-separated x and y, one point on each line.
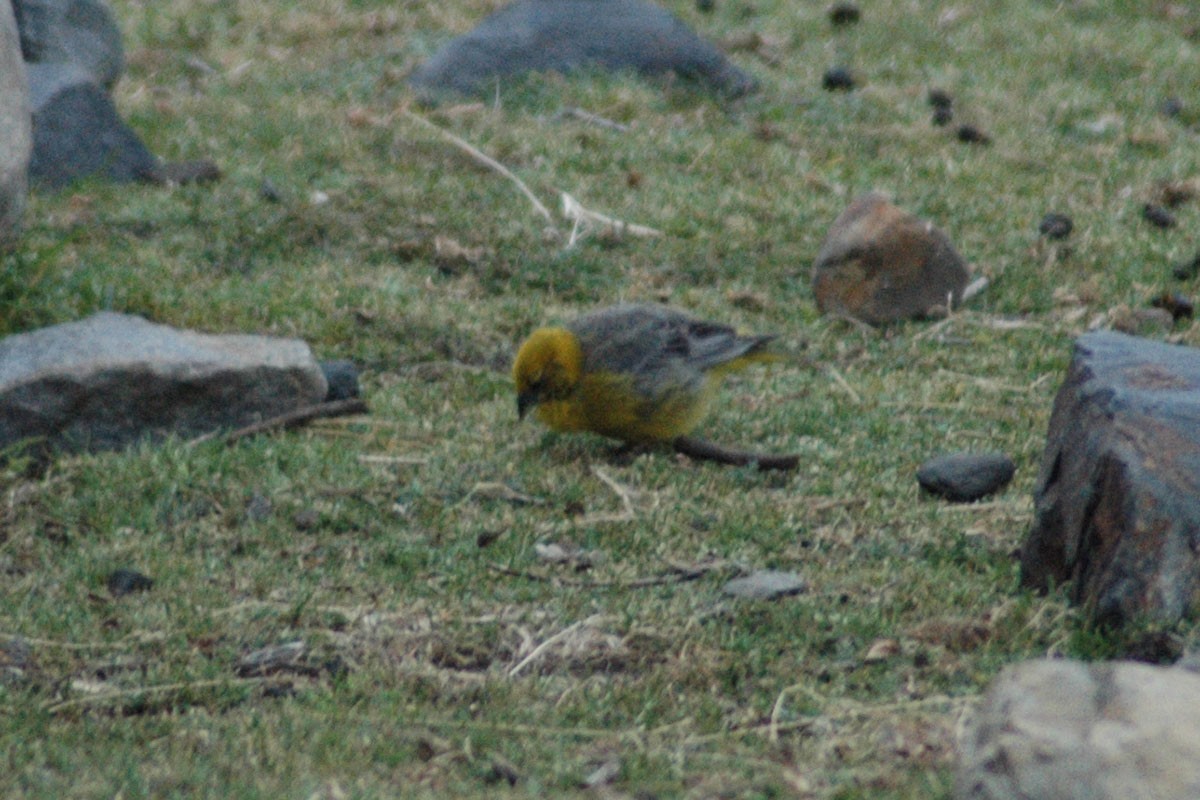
704	450
291	419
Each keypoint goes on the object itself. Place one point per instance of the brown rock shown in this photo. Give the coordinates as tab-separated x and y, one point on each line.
881	264
1064	730
1117	502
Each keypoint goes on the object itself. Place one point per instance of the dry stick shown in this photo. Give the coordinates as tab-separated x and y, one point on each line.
555	639
704	450
97	699
484	159
678	576
291	419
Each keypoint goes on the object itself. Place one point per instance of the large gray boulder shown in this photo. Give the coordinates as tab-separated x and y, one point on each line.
77	132
1065	730
15	141
564	35
1117	501
79	32
113	379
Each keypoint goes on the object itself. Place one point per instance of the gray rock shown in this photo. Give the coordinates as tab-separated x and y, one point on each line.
342	377
563	35
1117	501
766	584
15	136
78	32
964	477
1065	730
113	379
78	134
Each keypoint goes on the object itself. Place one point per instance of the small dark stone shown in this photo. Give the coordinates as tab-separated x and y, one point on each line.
306	519
1178	305
940	98
1056	226
844	14
972	135
1154	647
1172	107
1188	269
838	79
963	477
258	508
1158	216
342	377
124	581
943	116
268	191
705	6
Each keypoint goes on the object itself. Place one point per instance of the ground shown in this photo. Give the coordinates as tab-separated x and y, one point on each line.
440	653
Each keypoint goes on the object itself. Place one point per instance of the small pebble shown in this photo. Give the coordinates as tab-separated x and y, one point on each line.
943	116
268	191
1172	107
341	377
940	98
125	581
972	135
1056	226
838	79
964	477
844	14
767	584
705	6
1179	306
1188	269
1158	216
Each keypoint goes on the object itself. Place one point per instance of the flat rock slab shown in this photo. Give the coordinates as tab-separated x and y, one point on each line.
79	32
113	379
881	264
564	35
1117	501
766	584
1065	730
965	477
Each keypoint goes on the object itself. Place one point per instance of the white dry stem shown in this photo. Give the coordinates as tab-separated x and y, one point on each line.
585	219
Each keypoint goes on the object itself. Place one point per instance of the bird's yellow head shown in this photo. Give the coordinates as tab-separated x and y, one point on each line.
547	368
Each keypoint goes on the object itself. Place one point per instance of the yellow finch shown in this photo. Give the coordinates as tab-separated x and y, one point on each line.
640	373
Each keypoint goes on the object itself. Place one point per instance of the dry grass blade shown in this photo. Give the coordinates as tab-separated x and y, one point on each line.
585	219
291	419
483	158
549	643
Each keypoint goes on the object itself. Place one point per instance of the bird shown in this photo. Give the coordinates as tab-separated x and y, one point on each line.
639	373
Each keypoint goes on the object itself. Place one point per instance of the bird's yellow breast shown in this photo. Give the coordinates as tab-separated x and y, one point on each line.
607	403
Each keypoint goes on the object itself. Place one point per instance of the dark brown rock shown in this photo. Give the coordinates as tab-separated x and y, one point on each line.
1117	502
881	264
1056	226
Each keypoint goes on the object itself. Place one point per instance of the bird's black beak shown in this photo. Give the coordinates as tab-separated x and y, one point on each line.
525	401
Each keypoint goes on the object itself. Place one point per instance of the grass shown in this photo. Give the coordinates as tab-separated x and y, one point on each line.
441	657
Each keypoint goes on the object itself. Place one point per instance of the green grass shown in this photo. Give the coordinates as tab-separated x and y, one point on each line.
415	680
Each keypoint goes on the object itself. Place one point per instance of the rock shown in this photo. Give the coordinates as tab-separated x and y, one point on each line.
1178	305
15	136
342	379
971	134
964	477
126	581
564	35
838	79
82	33
844	14
767	584
880	264
1056	226
77	132
113	379
1065	730
1117	501
1158	216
